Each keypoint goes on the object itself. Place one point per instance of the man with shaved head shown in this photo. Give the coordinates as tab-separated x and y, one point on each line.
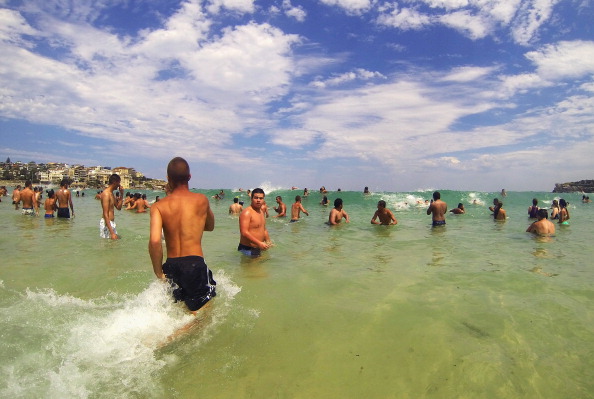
182	216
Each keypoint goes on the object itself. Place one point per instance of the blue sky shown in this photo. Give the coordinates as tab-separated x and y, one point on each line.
394	95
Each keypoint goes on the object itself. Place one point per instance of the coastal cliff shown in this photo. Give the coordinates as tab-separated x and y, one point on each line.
582	186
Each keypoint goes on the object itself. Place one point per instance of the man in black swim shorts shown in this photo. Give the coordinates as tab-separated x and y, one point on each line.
191	280
182	216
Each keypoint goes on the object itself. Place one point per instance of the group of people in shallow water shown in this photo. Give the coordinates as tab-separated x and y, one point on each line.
182	216
31	199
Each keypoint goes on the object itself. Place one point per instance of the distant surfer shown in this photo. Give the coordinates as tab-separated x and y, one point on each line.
182	217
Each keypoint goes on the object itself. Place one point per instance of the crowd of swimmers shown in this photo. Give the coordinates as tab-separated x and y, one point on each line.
182	216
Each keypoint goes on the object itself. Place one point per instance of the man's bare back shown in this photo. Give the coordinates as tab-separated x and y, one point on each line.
183	216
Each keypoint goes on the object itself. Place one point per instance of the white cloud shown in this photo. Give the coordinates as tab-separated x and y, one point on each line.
531	15
356	74
564	60
350	6
474	26
241	6
295	12
405	19
467	74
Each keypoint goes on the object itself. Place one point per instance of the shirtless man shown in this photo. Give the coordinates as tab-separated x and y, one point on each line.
27	197
107	226
337	213
498	211
183	217
543	226
281	209
235	208
254	236
141	204
296	209
385	216
63	200
437	208
15	197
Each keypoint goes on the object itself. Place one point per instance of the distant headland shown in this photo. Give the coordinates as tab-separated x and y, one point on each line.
582	186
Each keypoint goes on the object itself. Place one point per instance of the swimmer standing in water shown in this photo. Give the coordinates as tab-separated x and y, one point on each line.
182	216
437	208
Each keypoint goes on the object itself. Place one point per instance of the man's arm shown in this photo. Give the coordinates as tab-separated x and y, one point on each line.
35	204
346	216
303	209
430	209
70	202
155	247
394	221
209	224
375	215
332	217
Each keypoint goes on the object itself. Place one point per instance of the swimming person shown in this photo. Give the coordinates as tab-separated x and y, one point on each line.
297	208
63	200
437	209
543	226
385	216
337	213
459	210
109	201
254	236
182	216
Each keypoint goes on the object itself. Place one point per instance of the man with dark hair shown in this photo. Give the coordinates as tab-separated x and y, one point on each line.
281	209
543	226
386	217
337	213
254	236
297	208
107	226
235	208
182	217
437	208
27	197
64	199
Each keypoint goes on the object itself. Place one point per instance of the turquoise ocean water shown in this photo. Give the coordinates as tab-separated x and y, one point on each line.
478	309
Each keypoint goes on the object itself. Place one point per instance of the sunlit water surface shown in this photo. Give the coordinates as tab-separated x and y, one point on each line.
477	309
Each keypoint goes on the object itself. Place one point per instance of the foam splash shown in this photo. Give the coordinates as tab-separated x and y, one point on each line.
101	348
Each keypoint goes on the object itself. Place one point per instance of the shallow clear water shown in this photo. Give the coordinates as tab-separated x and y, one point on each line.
477	309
